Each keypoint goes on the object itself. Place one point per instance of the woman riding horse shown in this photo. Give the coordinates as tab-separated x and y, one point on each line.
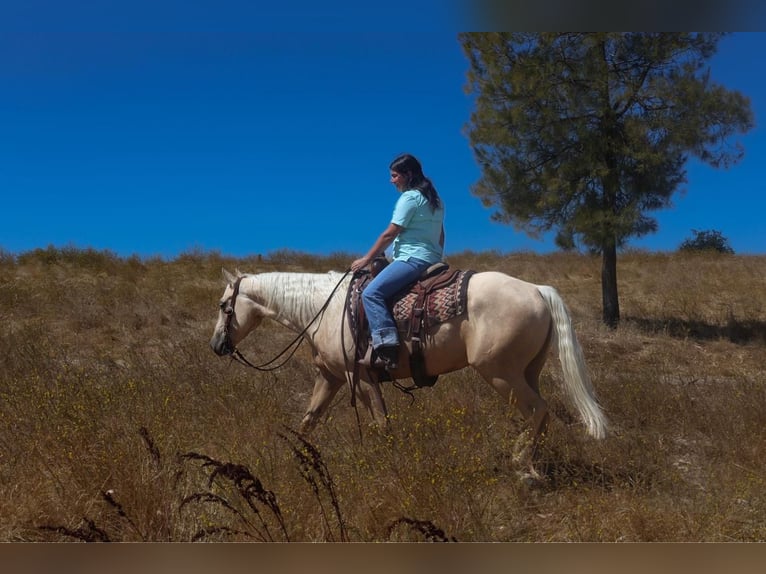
417	233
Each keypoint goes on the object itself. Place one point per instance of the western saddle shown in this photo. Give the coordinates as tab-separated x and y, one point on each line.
437	296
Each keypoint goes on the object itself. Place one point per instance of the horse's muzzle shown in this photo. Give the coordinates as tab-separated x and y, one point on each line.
221	345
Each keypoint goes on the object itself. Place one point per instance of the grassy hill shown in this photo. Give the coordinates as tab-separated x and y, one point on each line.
117	422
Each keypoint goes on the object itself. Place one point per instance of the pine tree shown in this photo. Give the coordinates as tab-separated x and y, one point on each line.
589	133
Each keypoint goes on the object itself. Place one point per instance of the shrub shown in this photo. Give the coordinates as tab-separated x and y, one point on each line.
708	240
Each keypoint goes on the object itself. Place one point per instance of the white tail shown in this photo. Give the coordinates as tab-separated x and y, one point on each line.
576	379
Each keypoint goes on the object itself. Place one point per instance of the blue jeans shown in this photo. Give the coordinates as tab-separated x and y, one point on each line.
379	293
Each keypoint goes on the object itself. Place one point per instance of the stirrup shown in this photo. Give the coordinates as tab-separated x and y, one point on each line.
366	361
385	357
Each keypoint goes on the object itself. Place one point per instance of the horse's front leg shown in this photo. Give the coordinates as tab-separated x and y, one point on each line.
326	385
371	395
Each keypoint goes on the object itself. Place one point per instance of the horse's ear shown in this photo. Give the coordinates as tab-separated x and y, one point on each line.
228	277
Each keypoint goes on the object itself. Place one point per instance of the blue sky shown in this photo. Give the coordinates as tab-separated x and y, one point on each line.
155	142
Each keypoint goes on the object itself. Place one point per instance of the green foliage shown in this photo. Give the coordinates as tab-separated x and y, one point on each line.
708	240
589	133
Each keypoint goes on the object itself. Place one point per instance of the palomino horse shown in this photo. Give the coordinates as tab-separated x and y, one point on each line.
505	334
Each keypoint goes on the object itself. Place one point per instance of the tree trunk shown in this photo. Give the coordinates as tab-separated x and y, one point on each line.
609	297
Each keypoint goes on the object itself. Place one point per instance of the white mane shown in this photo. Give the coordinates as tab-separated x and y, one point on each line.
296	297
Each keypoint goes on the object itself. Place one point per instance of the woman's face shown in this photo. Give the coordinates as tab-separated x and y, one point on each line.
399	180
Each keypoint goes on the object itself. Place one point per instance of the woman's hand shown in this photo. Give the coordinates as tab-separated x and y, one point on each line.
386	238
359	264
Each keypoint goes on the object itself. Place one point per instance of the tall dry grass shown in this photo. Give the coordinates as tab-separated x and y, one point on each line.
118	423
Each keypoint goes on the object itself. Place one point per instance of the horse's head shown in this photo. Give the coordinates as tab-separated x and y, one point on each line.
238	314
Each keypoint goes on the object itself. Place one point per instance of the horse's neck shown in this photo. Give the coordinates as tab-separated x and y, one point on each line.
294	299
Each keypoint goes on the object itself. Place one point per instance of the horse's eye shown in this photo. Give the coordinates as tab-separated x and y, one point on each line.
229	310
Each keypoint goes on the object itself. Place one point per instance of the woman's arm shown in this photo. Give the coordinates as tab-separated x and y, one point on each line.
386	238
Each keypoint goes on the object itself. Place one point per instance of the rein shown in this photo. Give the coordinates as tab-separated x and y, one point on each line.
269	365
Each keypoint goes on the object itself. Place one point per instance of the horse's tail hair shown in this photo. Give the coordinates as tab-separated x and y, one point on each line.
577	382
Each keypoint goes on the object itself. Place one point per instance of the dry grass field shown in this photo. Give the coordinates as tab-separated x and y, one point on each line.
118	423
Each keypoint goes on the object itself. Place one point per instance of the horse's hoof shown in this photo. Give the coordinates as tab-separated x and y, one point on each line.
531	478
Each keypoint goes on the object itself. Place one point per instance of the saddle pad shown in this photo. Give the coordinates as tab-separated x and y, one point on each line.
441	304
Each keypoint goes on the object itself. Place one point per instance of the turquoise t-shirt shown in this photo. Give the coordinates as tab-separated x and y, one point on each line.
422	228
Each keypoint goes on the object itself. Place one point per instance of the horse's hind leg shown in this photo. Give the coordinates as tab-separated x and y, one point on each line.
534	410
519	393
535	367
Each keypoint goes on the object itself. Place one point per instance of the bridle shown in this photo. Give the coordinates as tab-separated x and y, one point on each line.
228	310
270	365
